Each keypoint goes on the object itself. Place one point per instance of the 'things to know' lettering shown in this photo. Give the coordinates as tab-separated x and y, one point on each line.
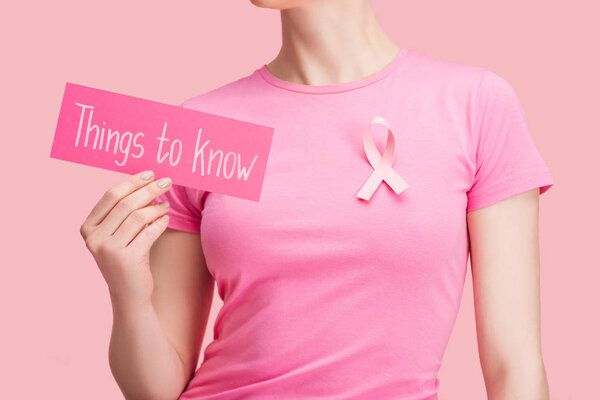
107	139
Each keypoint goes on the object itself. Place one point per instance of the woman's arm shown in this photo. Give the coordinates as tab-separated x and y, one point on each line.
505	266
155	346
161	307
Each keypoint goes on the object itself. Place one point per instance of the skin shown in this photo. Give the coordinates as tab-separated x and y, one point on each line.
161	307
505	264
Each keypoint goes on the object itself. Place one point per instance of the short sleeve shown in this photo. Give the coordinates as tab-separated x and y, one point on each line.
507	161
185	211
185	204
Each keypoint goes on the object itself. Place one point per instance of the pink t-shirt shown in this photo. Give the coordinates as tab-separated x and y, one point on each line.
330	296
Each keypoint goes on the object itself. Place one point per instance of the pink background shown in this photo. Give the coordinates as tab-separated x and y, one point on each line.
56	314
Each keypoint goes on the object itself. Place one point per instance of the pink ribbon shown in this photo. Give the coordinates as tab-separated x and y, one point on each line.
382	165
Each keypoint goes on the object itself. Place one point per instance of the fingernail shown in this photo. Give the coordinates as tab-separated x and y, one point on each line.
164	204
147	175
164	182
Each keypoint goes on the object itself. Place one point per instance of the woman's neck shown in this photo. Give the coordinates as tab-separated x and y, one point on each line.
328	42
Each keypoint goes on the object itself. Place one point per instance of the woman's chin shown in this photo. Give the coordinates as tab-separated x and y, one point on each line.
278	4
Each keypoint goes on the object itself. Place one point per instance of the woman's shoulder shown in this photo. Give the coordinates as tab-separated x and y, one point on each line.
228	96
430	68
456	78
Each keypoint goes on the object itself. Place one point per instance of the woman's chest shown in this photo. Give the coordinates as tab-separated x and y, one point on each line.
309	211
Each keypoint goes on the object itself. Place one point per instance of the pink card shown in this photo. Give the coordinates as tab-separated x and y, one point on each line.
129	134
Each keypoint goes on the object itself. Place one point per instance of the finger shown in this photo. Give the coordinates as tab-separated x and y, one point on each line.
116	193
139	198
142	243
136	221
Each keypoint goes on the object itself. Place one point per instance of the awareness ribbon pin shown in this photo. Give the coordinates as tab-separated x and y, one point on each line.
382	164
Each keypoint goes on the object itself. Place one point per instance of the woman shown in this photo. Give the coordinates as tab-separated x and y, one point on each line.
332	290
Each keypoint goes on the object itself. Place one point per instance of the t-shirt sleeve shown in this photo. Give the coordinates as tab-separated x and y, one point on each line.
185	204
185	210
507	161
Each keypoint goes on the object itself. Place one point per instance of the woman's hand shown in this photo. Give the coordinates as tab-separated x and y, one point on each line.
119	232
